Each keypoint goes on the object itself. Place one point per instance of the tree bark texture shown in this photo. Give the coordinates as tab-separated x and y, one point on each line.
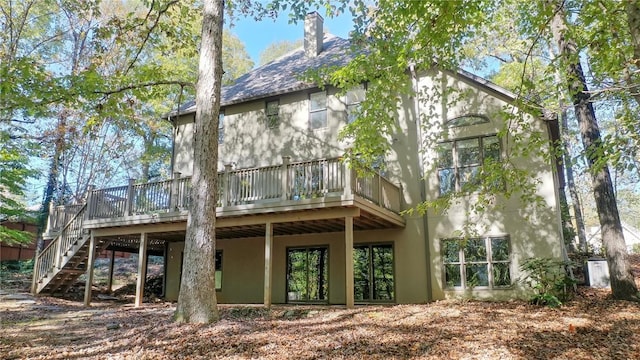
197	298
571	185
633	18
622	281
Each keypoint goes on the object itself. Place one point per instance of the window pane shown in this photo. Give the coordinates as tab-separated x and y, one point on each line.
452	275
445	155
383	272
501	274
218	273
356	94
318	274
447	180
469	175
318	101
451	251
307	274
352	112
273	107
361	276
499	249
318	119
475	250
477	275
221	128
468	152
296	275
491	148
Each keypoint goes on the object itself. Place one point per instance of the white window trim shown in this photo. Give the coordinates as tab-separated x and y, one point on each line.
489	261
324	109
272	124
454	161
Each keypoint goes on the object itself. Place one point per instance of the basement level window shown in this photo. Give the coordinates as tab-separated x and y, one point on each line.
477	263
218	269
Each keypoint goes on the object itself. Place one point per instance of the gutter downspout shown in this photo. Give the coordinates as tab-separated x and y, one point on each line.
423	183
553	130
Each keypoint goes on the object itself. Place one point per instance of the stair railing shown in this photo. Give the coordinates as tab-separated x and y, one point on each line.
51	257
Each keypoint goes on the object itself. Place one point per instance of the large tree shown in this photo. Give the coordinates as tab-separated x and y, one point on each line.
197	298
622	280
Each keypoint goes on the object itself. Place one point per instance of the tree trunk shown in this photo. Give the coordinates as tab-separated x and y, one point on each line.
571	185
622	281
633	19
197	298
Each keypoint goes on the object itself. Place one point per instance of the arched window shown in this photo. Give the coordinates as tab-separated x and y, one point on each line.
466	120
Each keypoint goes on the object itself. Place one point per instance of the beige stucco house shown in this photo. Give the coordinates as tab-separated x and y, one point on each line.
297	225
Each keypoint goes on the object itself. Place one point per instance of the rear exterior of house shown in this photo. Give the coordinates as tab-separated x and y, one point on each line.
297	225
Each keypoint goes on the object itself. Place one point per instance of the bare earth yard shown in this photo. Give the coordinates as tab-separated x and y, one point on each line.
590	327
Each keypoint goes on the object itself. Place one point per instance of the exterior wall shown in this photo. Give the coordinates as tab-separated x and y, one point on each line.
243	266
533	232
248	142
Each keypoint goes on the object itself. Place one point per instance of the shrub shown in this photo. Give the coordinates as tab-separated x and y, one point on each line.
549	280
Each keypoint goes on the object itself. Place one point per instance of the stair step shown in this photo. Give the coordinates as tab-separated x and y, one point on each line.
73	271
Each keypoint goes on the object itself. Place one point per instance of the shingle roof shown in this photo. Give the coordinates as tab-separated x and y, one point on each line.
281	75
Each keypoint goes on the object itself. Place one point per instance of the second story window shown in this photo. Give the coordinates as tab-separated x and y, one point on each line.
221	127
318	110
354	97
460	161
273	114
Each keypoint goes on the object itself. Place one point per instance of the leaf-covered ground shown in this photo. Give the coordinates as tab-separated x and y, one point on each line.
590	327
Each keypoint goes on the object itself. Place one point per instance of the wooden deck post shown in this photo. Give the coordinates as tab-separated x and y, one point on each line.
88	213
90	262
128	205
51	220
348	260
110	280
142	268
226	187
348	179
284	177
175	190
268	260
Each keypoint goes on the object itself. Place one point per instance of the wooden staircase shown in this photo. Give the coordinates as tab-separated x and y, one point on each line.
60	264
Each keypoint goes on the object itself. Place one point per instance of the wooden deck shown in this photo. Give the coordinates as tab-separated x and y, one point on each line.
292	198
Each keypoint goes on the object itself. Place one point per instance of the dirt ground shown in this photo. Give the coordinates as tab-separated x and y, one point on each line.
589	327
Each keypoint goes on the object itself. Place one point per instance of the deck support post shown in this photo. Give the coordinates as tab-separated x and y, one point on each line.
284	177
348	261
268	252
226	187
174	202
128	206
142	268
111	263
348	180
90	262
88	199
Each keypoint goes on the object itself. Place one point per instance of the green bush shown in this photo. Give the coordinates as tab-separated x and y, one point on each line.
549	280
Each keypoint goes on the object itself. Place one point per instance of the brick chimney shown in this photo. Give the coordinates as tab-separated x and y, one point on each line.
313	34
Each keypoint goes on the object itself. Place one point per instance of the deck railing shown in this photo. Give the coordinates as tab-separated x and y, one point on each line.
53	255
288	181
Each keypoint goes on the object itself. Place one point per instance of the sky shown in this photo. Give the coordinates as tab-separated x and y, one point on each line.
257	35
